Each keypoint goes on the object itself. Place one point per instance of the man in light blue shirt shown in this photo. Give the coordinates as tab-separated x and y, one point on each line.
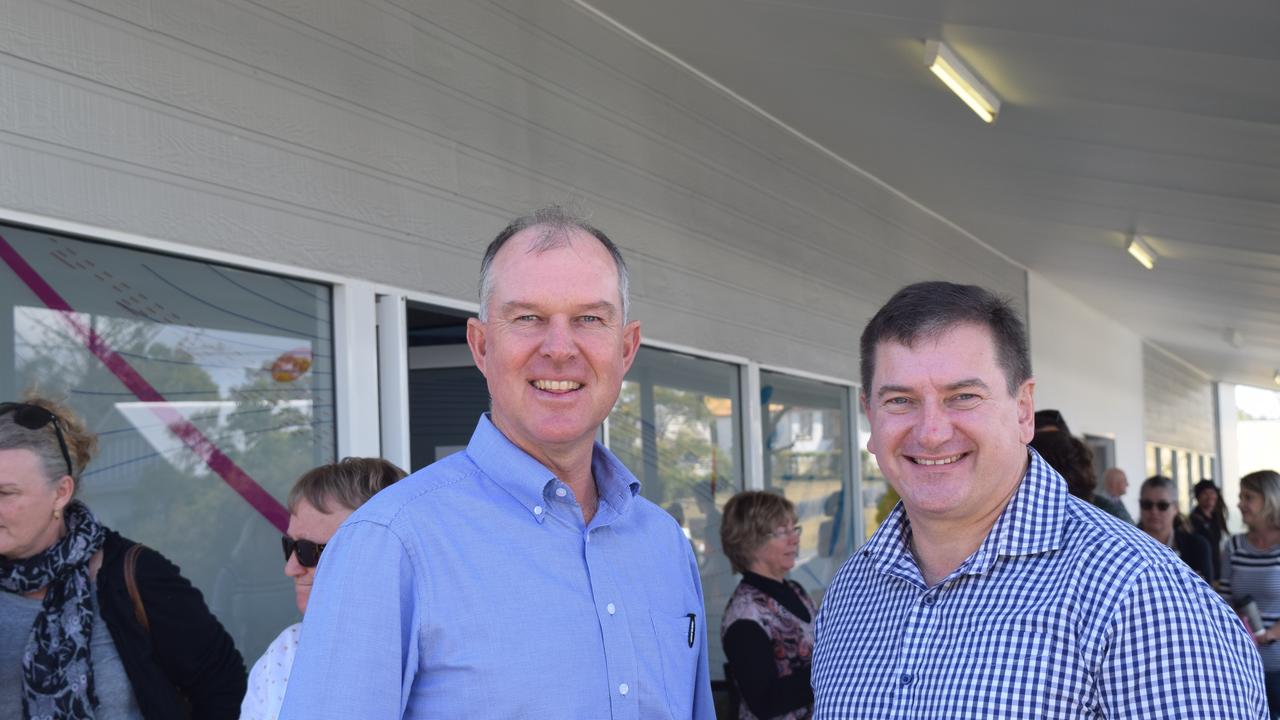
525	577
989	591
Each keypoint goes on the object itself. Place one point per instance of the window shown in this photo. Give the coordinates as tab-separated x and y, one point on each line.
806	457
210	389
878	498
677	425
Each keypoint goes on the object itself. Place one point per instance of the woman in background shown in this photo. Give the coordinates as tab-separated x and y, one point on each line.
1251	570
1158	517
93	625
319	502
767	630
1209	521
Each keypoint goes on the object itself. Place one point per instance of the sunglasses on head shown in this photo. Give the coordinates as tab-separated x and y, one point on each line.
34	417
308	552
1160	505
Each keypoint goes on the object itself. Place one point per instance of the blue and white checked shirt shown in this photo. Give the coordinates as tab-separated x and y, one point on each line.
1062	612
471	589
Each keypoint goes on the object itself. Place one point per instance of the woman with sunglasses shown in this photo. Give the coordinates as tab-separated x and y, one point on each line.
319	502
767	629
1251	570
1158	517
93	625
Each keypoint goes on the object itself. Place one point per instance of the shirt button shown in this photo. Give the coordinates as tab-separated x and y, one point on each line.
611	608
623	689
929	600
905	679
561	492
537	509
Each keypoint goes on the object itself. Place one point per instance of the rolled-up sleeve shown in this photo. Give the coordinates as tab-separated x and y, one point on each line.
358	654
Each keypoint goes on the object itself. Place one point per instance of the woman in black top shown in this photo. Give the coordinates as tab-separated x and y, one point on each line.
172	658
767	631
1158	517
1209	521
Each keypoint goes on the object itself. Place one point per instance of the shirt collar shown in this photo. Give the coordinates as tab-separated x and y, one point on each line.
531	483
1033	522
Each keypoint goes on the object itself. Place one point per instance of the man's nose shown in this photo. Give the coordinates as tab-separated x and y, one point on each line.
935	426
558	342
293	568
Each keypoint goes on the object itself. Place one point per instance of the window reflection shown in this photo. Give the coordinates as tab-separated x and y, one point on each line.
677	426
210	389
878	498
805	431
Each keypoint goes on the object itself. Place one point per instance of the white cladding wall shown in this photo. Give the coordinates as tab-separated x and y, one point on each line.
388	140
1179	405
1089	367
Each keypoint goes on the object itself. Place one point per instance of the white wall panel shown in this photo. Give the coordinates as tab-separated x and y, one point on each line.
1090	368
388	140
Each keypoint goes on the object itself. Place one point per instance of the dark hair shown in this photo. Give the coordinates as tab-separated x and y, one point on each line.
1071	458
748	519
928	309
556	220
1218	516
350	482
1052	420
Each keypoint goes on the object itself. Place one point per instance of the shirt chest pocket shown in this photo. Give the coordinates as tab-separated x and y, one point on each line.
1022	664
680	638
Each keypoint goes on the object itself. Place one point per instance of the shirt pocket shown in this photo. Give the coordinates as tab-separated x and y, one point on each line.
1023	665
679	640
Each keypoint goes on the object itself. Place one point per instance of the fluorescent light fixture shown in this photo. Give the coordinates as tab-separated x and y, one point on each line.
1277	377
1142	252
944	63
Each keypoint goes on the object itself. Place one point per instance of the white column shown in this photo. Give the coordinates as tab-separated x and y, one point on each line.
393	379
1224	401
355	349
752	431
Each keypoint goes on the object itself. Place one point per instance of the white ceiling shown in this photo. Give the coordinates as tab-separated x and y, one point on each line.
1160	116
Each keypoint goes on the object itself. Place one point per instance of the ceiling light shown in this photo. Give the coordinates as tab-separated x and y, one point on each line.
1277	377
1142	252
944	63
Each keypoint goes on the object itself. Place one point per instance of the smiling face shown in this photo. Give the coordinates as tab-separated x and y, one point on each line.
308	523
28	502
944	429
554	347
1252	509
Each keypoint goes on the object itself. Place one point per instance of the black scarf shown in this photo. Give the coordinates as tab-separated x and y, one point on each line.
57	675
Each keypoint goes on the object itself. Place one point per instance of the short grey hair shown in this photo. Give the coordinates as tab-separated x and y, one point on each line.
556	220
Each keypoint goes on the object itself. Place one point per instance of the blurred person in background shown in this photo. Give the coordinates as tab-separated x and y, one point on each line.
1115	483
93	625
1209	521
1159	518
1251	570
767	630
318	503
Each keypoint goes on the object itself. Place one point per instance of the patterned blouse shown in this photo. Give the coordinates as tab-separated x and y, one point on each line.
790	637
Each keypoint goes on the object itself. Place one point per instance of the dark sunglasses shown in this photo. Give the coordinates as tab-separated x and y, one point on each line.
308	552
1160	505
34	417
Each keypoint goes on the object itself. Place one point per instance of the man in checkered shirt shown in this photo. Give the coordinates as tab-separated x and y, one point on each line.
989	592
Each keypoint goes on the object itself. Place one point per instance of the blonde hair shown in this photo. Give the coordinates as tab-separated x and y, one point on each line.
350	482
1266	483
81	443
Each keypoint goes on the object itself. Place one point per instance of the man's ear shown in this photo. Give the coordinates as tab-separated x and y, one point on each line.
476	341
1027	409
630	344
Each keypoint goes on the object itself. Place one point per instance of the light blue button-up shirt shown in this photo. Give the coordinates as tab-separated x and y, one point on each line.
472	589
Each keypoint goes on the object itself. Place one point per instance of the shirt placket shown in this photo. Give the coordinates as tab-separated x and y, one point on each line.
613	613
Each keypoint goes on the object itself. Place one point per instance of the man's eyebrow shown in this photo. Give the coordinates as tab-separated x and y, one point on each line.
968	383
886	389
600	307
